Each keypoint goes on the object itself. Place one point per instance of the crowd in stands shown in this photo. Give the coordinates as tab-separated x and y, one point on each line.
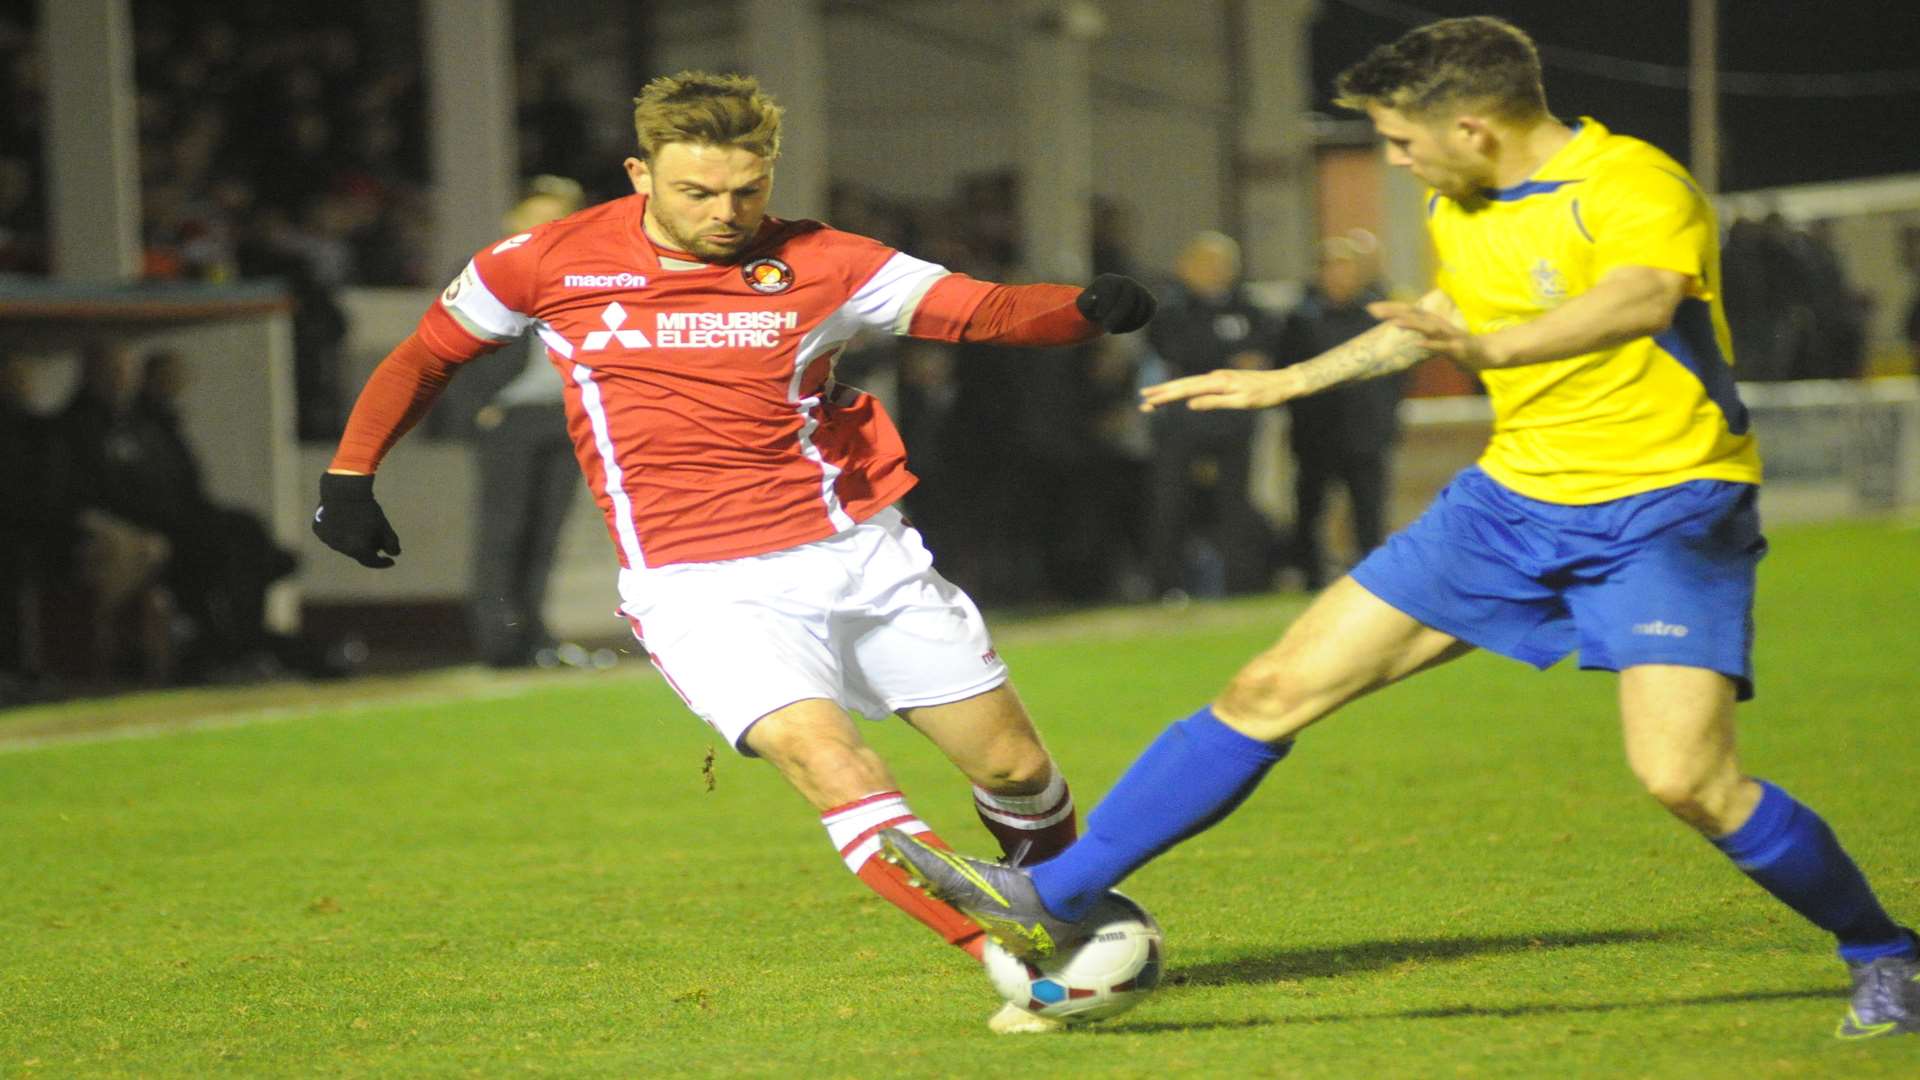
23	210
298	154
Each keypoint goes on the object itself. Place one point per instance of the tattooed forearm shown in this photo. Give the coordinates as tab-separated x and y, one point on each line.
1382	350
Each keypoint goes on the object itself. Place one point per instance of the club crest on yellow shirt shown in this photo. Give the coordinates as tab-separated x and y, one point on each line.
1549	287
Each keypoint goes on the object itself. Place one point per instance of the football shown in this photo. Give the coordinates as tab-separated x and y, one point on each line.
1113	969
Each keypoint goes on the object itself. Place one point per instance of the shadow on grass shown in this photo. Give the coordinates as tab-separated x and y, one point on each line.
1362	956
1452	1012
1550	1008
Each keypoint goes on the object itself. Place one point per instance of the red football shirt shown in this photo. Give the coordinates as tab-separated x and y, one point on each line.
697	398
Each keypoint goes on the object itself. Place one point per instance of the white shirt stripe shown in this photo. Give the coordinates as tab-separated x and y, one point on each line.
609	463
885	299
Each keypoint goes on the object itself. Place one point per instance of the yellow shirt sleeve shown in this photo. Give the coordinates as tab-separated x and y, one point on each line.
1645	215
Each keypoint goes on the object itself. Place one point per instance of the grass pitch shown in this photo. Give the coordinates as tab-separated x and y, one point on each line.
461	874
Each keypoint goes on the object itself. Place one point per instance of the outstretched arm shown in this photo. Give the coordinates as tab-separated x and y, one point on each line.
960	308
1383	350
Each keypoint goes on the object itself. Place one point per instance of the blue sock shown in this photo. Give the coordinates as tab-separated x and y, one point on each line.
1792	853
1194	774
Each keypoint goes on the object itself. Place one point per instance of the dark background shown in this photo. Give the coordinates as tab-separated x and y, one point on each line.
1765	140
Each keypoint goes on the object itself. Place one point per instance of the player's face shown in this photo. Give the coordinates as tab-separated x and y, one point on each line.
701	199
1443	155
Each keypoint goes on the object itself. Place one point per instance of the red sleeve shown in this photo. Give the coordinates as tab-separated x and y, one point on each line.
396	396
447	337
959	308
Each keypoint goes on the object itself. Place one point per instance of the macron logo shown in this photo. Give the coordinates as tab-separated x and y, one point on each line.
1657	628
603	281
615	317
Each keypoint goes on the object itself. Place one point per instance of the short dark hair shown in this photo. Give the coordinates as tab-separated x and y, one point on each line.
1476	62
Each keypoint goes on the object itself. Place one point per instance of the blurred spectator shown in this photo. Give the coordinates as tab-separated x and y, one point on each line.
525	472
22	219
924	400
40	530
308	263
859	210
124	432
1345	435
1761	279
1021	495
989	214
1792	312
1205	536
553	132
68	568
962	426
1114	545
23	243
1839	310
1910	253
1112	238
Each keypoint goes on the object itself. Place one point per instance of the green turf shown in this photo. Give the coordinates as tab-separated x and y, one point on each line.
1458	877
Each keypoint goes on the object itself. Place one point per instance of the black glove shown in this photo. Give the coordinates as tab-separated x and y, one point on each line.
1119	304
350	522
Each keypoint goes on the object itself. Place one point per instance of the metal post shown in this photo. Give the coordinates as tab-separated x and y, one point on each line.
1703	84
470	85
785	47
1056	148
92	149
1276	164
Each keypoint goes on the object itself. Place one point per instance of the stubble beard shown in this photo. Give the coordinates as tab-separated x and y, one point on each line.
704	248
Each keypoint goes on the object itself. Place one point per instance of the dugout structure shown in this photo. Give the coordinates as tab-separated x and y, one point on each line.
238	406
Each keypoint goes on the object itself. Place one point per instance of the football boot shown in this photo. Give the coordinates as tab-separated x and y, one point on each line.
1001	898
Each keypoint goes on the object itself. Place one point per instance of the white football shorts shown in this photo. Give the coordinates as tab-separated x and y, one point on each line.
861	618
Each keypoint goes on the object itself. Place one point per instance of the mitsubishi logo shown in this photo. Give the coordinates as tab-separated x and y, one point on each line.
615	317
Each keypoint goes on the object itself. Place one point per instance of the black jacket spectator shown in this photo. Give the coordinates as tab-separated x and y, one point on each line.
1204	536
1344	435
1356	419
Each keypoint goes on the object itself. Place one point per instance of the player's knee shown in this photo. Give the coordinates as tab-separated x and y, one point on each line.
1688	794
1267	700
1015	767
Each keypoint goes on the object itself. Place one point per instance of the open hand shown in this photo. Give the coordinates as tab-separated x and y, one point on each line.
1439	334
1227	388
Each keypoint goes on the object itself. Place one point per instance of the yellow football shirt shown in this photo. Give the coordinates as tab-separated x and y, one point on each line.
1648	414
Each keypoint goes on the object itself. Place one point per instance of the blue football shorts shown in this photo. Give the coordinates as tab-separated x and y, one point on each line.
1664	577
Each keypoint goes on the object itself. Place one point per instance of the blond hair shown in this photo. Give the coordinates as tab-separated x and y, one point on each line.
544	198
1478	62
713	110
